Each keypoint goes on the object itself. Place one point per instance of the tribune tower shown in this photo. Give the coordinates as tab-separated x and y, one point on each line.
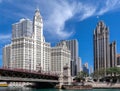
101	47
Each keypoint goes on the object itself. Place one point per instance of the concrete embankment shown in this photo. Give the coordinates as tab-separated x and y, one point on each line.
104	85
77	87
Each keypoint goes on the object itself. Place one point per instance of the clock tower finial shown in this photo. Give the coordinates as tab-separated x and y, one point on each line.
38	25
37	9
37	15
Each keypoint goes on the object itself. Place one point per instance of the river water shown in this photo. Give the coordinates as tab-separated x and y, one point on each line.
28	89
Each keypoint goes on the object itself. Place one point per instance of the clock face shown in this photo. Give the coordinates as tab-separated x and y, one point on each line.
38	23
38	18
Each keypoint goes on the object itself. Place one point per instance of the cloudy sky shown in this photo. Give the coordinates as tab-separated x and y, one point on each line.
63	19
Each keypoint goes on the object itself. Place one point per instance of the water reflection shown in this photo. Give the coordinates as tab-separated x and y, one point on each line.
29	89
14	89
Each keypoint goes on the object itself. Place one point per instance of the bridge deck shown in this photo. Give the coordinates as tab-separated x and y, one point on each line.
27	75
18	79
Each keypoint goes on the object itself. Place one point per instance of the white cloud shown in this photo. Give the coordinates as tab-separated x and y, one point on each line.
63	11
110	5
58	12
56	20
84	10
0	1
5	38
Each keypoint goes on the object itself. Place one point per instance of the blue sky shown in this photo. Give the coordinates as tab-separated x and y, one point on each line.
63	19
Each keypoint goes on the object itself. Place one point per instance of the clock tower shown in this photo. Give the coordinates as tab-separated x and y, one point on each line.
38	26
38	40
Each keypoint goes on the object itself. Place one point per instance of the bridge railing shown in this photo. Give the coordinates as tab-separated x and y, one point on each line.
31	71
19	79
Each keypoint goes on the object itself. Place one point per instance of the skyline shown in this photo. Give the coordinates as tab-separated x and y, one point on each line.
78	21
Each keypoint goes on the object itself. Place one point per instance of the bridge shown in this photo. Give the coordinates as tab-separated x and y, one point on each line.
22	75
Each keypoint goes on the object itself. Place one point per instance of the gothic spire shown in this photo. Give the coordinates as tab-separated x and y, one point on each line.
101	27
37	16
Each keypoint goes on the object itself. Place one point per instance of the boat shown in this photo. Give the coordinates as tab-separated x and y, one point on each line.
3	84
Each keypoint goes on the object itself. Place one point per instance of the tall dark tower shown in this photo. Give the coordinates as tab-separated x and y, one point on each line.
113	54
101	47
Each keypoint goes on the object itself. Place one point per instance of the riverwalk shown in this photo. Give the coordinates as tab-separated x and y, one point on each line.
104	85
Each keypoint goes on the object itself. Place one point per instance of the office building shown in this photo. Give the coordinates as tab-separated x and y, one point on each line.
118	59
46	56
104	52
101	47
91	69
113	55
60	57
85	68
22	53
6	55
28	48
22	45
79	67
72	45
41	58
23	28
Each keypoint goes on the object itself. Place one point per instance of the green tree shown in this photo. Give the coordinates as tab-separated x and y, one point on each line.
113	71
83	74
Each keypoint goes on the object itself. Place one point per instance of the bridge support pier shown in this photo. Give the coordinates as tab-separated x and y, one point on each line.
60	81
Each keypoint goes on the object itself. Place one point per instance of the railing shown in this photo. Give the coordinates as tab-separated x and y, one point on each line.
19	79
31	71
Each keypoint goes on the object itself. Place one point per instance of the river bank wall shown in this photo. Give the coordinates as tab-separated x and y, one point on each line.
104	85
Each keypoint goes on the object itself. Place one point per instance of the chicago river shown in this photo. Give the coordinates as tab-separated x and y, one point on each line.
29	89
